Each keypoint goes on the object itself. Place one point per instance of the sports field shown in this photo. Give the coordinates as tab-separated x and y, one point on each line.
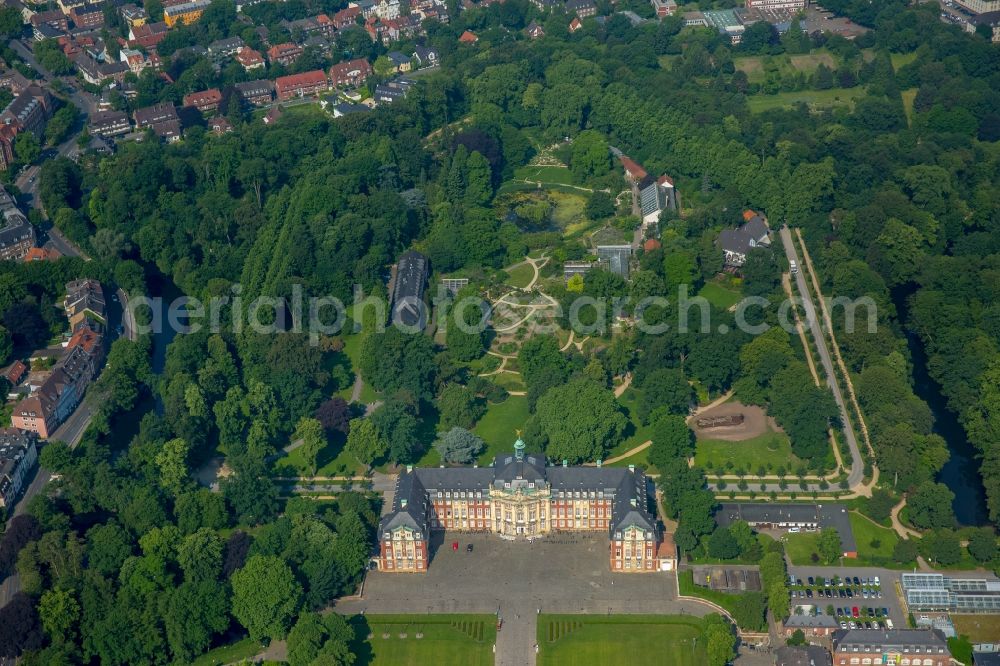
620	640
411	640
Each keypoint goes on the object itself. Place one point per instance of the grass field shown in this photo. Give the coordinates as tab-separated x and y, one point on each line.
756	67
636	433
900	59
772	448
520	276
352	350
568	211
333	461
867	533
908	96
813	98
978	628
720	296
228	654
620	640
498	425
545	174
412	640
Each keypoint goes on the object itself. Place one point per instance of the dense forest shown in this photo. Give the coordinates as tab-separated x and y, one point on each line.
132	562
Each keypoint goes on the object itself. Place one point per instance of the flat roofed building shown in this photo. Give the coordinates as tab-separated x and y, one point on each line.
109	123
802	655
519	497
792	516
17	235
937	592
919	647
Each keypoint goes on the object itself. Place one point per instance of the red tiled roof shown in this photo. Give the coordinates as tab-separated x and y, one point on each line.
749	215
633	168
14	373
468	37
315	77
210	96
651	244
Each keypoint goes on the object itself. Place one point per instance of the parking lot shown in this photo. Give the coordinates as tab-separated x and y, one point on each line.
834	579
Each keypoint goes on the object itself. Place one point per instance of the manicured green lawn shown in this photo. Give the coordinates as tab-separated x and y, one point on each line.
508	380
228	654
720	296
333	461
572	640
498	425
444	640
545	174
824	98
772	448
520	275
800	547
866	532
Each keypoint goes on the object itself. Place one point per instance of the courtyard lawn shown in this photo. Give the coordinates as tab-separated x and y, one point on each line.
978	628
867	533
412	640
720	296
498	425
800	547
619	640
813	98
772	450
519	276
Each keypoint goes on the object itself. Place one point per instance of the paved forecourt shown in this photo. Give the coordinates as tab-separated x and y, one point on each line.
566	573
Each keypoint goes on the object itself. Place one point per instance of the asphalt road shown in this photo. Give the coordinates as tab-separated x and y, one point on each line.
856	475
27	182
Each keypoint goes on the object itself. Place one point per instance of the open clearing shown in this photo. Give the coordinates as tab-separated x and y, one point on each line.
772	450
498	425
619	640
979	628
813	98
442	640
756	67
756	422
720	296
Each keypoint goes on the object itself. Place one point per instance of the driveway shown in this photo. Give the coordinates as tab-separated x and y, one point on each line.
558	574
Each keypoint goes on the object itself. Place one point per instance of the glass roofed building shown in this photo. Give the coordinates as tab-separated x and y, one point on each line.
934	591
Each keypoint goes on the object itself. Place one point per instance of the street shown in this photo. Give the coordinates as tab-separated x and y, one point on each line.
27	182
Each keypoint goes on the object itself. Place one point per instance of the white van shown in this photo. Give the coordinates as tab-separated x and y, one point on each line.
794	530
793	267
888	623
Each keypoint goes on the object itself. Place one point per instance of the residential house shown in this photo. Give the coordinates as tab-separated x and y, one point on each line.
97	73
634	173
273	115
387	9
468	37
27	112
147	35
284	54
802	655
547	5
18	455
15	372
399	61
366	8
664	8
736	243
204	101
342	109
220	125
52	402
186	12
351	73
320	25
810	625
301	85
249	58
534	30
42	254
133	15
256	93
66	6
575	24
44	31
135	59
109	123
162	118
346	17
582	8
866	646
84	304
88	17
54	19
17	235
14	81
390	91
225	48
426	56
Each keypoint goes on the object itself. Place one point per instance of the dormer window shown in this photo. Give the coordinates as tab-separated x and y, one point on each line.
531	484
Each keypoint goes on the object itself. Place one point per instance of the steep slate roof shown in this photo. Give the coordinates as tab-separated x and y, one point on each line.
626	486
897	640
408	291
802	655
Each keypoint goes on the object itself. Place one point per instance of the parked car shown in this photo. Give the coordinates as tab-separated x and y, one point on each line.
809	594
877	581
811	580
855	612
468	548
843	625
857	581
850	593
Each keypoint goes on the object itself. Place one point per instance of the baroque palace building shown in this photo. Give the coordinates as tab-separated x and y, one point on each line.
518	497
